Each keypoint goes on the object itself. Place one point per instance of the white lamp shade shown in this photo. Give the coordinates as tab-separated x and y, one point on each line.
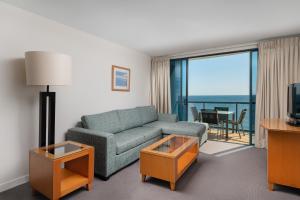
47	68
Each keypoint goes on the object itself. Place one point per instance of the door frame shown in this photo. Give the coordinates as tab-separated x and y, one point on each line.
182	102
251	100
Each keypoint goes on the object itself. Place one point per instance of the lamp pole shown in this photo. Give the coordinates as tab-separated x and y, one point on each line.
47	114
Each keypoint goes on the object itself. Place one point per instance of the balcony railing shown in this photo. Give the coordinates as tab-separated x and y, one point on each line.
236	106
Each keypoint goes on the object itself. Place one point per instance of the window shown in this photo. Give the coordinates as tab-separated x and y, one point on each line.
224	80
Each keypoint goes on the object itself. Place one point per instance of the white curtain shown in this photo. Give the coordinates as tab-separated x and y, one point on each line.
279	65
160	84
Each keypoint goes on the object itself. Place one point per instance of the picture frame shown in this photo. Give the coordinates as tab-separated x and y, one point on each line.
120	78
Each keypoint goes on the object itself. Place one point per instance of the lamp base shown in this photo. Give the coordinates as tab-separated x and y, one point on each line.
47	112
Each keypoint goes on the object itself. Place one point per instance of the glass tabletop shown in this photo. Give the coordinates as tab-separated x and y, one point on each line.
62	150
172	144
224	112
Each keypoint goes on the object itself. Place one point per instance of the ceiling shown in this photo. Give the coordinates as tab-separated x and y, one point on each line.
164	27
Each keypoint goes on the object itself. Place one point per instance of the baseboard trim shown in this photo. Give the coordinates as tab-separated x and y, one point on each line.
13	183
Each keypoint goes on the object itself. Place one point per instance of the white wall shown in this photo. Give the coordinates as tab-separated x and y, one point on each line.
90	92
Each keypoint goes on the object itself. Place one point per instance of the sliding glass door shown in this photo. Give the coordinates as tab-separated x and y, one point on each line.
252	92
223	80
179	89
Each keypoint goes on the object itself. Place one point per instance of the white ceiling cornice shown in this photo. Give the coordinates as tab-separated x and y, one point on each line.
225	49
169	27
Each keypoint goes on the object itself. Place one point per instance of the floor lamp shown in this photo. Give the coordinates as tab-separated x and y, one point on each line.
47	69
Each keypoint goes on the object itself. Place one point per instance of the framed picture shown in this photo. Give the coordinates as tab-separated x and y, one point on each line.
120	78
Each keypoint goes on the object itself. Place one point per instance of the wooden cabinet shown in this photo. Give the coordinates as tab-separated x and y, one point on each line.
283	153
59	169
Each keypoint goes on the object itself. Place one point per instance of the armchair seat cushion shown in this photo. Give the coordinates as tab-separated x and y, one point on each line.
131	138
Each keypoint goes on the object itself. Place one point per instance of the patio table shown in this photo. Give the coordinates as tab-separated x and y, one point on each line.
227	113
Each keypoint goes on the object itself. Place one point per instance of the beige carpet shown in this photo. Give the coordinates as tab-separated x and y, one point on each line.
238	176
214	147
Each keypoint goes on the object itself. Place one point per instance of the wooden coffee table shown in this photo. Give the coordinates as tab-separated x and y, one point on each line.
169	158
59	169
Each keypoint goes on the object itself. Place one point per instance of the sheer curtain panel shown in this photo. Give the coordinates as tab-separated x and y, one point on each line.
279	66
160	84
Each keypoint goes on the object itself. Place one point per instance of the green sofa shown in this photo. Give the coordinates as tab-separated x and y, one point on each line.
119	135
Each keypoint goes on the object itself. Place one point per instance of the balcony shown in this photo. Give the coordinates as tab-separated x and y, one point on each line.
247	136
223	80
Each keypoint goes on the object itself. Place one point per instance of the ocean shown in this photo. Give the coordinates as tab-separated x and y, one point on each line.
243	103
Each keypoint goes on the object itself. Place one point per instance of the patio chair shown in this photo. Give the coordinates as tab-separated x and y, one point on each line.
205	110
239	122
211	117
222	108
222	118
195	114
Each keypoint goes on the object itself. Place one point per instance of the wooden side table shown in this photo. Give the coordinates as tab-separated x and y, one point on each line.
59	169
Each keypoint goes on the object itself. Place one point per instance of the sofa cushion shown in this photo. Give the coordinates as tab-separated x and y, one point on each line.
147	114
107	122
131	138
192	127
129	118
158	124
167	117
180	128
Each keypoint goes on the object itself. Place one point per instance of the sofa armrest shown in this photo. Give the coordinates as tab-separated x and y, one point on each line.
167	117
104	144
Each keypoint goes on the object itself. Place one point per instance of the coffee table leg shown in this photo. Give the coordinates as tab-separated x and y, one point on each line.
172	186
33	191
89	186
143	178
271	186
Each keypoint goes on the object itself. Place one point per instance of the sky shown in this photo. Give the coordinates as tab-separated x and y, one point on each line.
219	75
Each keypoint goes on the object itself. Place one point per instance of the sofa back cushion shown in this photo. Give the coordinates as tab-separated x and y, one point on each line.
130	118
107	122
147	114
